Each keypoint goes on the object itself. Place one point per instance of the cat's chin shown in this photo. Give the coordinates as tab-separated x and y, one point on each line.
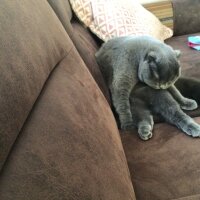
158	87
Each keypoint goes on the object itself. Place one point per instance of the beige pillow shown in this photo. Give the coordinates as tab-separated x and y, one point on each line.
83	10
113	18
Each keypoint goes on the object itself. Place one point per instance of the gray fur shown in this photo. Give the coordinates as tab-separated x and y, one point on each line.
146	102
126	60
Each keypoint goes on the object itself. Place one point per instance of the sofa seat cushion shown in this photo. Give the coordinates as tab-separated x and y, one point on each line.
166	166
70	146
190	58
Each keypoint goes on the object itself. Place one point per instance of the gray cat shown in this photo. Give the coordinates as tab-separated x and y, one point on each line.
146	102
124	61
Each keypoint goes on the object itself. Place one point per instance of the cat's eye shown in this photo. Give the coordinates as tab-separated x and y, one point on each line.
151	57
153	70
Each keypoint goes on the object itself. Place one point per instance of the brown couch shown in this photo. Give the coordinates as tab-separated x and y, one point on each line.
58	137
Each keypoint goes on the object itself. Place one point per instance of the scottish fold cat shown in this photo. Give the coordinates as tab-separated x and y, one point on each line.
125	61
146	102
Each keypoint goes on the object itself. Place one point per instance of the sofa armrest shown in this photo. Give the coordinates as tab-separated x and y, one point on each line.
186	16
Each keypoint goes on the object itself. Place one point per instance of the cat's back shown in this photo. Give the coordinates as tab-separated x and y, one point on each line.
117	44
123	47
111	50
122	53
111	53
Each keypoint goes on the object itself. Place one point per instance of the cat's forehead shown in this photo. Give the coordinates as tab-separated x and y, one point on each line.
168	72
167	57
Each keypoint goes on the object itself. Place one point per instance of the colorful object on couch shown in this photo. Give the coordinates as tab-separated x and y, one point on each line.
194	42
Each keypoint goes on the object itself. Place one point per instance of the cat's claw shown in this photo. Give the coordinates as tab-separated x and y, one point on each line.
145	133
189	104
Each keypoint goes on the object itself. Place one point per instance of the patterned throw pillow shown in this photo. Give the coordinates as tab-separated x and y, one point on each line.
113	18
125	17
83	10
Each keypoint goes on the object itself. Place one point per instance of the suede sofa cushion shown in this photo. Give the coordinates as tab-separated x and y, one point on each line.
70	147
85	42
31	44
87	45
165	167
64	13
186	16
189	58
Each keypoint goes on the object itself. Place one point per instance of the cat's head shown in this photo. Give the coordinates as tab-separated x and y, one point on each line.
160	69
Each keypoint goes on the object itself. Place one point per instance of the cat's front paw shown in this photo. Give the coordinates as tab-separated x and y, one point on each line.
145	132
193	130
127	126
189	104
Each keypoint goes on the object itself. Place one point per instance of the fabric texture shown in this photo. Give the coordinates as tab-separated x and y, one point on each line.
86	43
166	166
189	58
87	47
83	10
120	18
70	147
63	12
186	16
31	44
189	61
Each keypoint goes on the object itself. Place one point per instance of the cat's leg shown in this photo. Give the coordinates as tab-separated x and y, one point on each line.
171	112
120	92
120	99
142	118
185	103
185	123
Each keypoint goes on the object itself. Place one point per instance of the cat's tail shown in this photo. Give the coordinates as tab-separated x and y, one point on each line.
189	87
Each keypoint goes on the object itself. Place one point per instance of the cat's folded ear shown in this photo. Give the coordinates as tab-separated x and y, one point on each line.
151	57
177	53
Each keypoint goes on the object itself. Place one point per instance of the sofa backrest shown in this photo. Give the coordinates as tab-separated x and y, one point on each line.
186	16
64	13
31	45
86	43
42	81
